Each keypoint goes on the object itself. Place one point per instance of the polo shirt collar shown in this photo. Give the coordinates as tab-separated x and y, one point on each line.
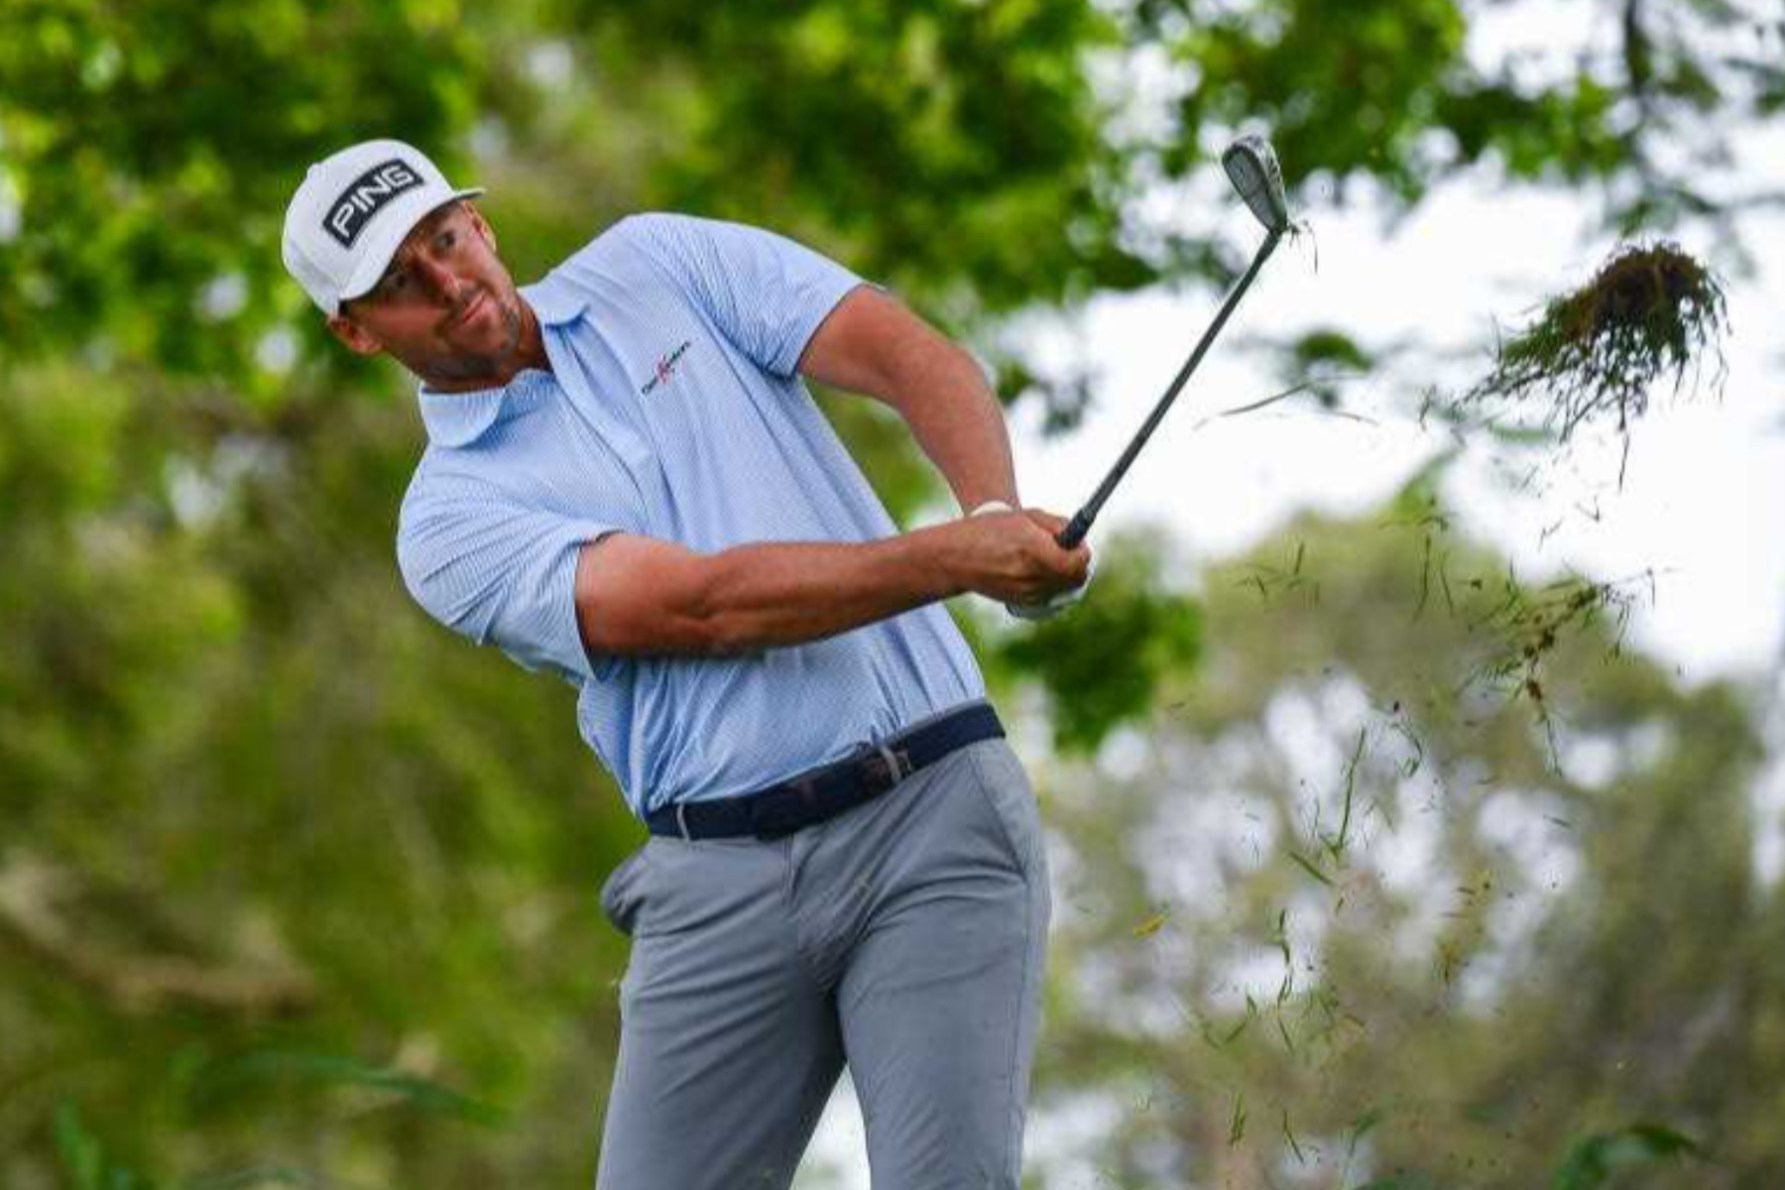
555	299
459	419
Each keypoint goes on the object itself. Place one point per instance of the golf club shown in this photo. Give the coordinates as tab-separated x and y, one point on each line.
1251	166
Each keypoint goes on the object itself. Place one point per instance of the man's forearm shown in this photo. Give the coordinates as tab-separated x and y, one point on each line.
959	424
642	596
871	344
762	596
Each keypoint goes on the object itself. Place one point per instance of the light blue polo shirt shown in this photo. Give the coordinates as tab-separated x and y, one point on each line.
672	410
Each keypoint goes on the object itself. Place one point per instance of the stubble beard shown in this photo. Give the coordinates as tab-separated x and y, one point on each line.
491	366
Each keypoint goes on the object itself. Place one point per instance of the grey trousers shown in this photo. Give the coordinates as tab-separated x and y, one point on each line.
904	937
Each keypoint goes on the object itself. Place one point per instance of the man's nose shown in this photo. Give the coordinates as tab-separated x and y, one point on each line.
439	279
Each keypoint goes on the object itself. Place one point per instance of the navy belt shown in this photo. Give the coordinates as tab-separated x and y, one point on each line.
826	791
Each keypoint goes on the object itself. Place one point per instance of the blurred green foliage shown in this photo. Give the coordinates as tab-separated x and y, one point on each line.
1345	909
293	884
1592	1163
1102	665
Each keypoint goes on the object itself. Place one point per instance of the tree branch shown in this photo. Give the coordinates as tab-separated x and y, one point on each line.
135	984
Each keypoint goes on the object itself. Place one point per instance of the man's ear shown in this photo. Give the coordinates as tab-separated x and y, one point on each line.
357	337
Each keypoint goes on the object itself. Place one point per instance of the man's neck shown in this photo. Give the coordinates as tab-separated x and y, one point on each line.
530	350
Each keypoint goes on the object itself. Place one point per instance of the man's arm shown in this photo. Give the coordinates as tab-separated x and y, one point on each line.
641	596
872	344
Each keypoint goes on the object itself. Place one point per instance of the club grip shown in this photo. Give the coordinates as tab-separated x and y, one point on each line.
1074	532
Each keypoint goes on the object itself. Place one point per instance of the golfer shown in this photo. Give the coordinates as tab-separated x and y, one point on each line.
627	484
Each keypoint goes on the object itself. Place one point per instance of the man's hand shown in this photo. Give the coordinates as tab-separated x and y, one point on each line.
1042	580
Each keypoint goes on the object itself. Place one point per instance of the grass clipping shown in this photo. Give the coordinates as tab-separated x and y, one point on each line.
1599	350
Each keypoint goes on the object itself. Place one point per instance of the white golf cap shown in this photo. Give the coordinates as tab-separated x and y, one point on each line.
351	213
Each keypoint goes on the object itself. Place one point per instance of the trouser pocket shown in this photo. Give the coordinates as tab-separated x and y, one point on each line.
1006	789
622	893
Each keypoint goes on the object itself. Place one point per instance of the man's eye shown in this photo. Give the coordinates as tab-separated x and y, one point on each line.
445	240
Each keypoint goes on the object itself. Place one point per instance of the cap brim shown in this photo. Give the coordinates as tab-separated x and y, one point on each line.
389	235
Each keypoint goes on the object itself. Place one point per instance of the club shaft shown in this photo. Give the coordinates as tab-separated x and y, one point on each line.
1075	529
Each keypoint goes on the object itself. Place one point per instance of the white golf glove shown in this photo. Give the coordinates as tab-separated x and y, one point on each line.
1054	605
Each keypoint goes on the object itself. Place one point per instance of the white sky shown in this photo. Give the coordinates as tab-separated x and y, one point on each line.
1704	480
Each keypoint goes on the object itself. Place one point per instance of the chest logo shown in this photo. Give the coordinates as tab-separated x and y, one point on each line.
666	368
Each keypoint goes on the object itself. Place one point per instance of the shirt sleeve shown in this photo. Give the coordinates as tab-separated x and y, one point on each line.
765	292
499	573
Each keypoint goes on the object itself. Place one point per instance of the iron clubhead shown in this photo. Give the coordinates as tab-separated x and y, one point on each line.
1251	166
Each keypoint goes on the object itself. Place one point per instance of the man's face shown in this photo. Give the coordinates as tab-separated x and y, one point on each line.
445	308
